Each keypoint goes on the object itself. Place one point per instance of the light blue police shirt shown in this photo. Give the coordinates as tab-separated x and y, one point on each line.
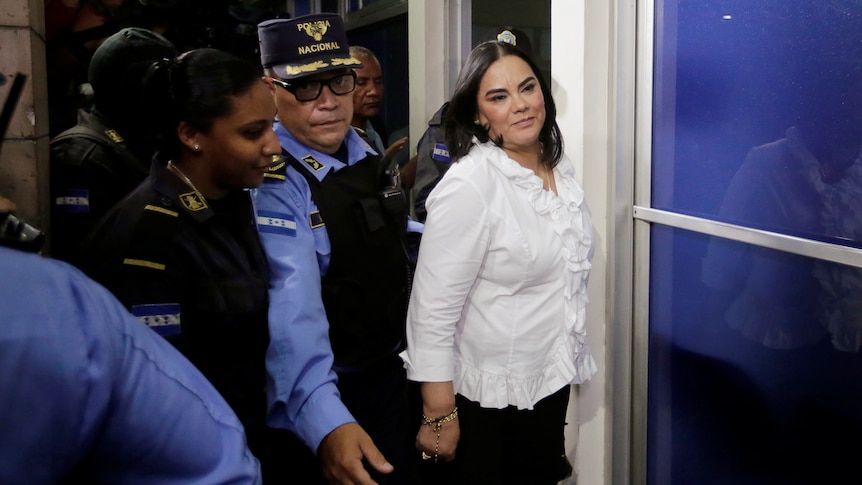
301	386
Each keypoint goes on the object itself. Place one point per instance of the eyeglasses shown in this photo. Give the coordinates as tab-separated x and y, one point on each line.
310	89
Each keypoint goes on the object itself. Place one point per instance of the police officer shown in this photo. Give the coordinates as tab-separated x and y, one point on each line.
332	222
368	98
182	251
107	154
88	394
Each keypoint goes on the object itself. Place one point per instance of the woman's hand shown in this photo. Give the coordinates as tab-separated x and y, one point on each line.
438	439
440	446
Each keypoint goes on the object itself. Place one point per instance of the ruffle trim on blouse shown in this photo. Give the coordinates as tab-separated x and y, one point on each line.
572	362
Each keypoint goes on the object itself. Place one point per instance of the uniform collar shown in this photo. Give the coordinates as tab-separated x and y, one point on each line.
319	164
178	194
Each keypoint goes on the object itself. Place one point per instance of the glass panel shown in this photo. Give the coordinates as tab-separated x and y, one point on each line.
758	114
754	368
754	362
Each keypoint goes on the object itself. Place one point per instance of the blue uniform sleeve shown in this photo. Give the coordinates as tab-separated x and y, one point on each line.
301	386
93	385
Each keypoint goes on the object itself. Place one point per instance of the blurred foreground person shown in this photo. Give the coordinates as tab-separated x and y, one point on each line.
88	394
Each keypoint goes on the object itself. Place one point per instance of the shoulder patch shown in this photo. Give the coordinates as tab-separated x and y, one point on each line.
193	201
276	223
73	201
441	153
313	163
113	135
164	318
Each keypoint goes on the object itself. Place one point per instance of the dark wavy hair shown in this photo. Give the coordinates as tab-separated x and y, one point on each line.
196	87
463	109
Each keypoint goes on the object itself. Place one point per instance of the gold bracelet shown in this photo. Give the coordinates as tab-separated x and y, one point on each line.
436	424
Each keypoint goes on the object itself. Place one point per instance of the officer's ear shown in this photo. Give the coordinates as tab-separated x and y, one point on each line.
188	136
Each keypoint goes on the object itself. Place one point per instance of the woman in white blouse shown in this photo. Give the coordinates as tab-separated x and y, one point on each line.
495	329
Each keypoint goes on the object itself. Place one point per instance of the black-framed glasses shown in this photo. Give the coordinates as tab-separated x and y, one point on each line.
310	89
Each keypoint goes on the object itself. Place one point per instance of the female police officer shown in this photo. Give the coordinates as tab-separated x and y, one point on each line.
182	251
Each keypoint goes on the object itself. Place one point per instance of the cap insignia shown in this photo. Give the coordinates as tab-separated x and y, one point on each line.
508	37
345	62
315	30
314	66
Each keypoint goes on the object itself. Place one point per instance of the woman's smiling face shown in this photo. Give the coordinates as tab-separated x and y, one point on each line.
511	104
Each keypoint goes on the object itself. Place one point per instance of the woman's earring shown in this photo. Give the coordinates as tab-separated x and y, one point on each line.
197	147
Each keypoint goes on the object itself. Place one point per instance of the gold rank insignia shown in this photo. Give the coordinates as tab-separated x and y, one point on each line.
313	163
113	135
193	201
316	30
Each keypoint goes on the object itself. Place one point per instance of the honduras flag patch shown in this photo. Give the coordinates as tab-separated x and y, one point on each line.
75	201
276	223
441	153
164	318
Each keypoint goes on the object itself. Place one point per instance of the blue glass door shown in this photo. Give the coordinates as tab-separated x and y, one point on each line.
755	370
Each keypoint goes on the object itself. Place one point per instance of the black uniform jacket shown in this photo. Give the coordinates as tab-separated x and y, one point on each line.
194	270
92	168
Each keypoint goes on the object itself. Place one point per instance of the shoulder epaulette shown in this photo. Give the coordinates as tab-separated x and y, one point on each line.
277	171
155	226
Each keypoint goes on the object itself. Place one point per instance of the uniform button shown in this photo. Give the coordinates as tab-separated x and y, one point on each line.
167	202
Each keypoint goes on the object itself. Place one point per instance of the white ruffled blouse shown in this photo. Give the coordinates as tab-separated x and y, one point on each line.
499	296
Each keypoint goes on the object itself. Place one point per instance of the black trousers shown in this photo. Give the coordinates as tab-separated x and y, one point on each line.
506	446
377	398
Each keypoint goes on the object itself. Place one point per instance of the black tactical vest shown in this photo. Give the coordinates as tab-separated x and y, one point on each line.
365	288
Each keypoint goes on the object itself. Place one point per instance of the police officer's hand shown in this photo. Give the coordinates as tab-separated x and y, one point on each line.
341	453
396	147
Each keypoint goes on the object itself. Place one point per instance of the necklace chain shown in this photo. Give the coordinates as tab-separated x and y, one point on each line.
179	173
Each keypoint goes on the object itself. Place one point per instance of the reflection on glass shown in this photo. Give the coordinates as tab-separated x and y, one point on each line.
809	184
747	382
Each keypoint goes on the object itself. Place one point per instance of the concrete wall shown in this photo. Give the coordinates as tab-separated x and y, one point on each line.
24	153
